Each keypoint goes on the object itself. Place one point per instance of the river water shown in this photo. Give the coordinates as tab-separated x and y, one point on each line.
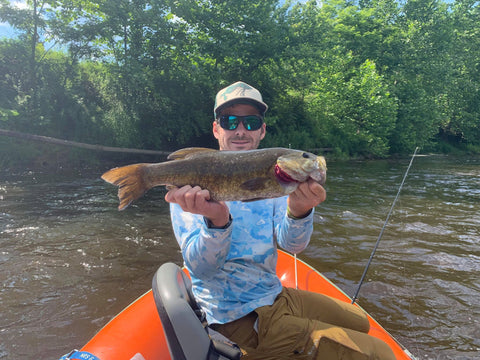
69	261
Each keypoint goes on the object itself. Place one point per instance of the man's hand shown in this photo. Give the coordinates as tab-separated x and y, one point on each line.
197	201
308	195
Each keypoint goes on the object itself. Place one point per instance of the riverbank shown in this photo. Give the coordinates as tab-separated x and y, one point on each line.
29	154
24	155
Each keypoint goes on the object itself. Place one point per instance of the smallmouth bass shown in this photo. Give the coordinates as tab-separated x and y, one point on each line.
228	175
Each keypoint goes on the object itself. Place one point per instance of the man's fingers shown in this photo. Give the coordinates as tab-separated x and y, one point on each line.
191	199
317	190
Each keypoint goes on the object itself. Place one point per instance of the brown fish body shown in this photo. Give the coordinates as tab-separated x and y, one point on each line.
228	175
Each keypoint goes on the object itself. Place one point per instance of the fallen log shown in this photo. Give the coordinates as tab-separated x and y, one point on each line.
61	142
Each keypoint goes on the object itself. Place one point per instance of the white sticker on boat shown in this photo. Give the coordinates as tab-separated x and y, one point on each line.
137	356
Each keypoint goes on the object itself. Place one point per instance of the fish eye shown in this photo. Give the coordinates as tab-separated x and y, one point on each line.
305	155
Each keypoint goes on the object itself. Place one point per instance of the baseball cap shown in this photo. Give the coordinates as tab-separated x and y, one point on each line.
239	93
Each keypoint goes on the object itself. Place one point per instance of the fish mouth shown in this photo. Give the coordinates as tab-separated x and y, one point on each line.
319	176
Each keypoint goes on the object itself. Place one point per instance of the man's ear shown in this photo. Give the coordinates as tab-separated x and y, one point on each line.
263	131
215	126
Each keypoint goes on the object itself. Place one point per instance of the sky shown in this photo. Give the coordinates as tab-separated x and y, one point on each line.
5	29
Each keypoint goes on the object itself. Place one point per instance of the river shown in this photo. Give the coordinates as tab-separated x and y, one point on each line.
69	261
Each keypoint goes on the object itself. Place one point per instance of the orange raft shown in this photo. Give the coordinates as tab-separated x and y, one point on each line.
137	332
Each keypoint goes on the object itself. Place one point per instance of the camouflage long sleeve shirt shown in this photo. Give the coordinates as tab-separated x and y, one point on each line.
233	269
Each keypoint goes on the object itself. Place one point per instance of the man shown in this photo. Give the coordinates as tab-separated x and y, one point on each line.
230	250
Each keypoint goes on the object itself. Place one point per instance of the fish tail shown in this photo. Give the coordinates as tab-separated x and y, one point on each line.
130	181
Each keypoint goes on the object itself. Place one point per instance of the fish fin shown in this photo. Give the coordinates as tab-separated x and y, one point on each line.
187	152
254	184
130	182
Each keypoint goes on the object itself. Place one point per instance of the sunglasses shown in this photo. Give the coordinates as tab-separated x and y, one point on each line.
250	122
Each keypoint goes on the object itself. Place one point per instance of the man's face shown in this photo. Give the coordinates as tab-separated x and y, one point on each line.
240	138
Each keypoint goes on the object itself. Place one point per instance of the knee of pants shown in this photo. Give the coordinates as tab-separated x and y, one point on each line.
327	309
339	343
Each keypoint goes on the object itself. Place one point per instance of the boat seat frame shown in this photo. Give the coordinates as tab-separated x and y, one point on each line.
183	320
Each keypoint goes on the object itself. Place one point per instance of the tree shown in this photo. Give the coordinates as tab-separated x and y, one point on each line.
421	77
31	22
367	77
462	97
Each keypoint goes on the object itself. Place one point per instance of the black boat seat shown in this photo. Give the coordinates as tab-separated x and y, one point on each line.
182	318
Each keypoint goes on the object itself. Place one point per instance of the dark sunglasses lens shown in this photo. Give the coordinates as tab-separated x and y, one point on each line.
229	122
250	122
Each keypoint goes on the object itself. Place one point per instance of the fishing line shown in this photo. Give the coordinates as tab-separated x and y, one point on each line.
296	273
383	229
295	255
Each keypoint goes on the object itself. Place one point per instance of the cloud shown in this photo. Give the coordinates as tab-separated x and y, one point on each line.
19	4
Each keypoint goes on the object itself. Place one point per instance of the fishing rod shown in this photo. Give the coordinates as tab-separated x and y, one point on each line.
383	229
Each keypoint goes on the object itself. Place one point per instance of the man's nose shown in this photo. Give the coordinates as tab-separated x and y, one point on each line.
240	128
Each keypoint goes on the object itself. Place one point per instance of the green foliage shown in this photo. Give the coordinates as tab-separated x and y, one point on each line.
366	78
355	114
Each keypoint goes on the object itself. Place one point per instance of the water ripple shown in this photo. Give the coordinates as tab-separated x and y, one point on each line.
70	260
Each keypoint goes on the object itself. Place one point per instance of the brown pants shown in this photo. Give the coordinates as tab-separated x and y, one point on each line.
305	325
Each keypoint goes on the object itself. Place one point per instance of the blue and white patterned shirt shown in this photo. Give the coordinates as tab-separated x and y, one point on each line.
233	269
